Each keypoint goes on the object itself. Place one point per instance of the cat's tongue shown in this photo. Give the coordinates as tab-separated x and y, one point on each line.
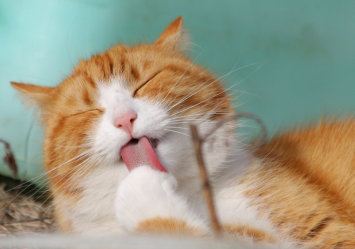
138	153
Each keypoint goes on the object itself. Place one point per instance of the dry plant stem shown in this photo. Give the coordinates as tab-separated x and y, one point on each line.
197	140
207	190
9	158
263	139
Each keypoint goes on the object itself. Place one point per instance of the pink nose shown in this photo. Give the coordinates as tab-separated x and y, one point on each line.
126	121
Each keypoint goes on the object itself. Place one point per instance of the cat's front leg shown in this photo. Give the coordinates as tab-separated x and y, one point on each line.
147	201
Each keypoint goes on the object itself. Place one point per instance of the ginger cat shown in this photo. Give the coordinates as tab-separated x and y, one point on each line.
119	155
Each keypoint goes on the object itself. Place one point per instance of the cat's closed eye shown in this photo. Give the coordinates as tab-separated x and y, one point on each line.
145	83
97	110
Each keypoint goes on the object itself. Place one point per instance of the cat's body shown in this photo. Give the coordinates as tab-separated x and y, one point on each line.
297	190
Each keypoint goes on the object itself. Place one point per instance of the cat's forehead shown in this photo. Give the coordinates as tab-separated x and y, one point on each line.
146	56
121	69
133	64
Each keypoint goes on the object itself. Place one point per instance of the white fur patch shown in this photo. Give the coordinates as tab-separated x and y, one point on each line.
94	213
146	194
234	207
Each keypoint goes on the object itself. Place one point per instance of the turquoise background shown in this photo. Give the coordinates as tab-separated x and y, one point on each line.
303	54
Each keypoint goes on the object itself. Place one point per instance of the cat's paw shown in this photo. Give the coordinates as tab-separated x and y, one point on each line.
146	194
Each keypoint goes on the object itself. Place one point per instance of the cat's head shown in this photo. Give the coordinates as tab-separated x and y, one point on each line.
150	90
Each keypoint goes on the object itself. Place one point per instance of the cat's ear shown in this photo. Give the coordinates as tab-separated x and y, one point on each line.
174	36
40	96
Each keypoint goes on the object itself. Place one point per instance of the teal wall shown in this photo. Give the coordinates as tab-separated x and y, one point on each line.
303	54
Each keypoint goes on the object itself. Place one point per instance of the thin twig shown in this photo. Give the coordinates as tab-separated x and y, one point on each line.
207	189
21	184
263	129
206	186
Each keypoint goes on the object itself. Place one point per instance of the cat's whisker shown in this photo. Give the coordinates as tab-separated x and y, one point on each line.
200	88
190	115
72	169
46	173
184	110
42	193
183	99
86	153
176	127
78	168
197	111
82	169
203	86
196	90
222	91
61	178
178	132
36	191
234	92
202	115
191	121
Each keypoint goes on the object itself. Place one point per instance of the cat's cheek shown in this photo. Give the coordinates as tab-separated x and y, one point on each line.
147	194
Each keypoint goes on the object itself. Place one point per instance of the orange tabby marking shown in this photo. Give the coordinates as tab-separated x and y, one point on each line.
168	226
249	232
308	183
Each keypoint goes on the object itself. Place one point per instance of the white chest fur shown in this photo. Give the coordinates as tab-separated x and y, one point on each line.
94	213
235	208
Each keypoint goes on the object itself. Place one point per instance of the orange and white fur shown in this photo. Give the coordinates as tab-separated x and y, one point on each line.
298	189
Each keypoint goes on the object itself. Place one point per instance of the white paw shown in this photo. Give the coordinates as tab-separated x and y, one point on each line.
147	193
